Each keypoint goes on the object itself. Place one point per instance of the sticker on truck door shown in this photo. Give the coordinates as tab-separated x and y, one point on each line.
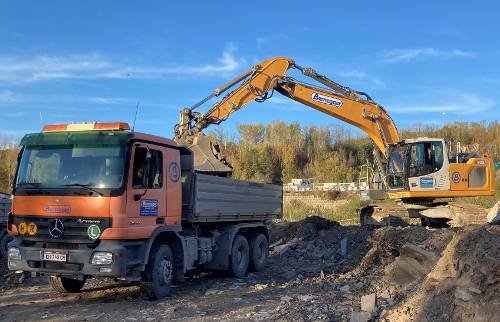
149	207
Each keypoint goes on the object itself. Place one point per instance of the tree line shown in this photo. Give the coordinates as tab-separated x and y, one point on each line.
280	151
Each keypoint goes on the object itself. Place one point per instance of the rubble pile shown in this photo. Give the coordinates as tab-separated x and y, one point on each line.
463	285
317	245
390	274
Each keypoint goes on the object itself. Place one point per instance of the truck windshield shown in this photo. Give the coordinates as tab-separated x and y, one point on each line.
72	166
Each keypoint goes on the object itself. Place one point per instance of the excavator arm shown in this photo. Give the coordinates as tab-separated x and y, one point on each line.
258	83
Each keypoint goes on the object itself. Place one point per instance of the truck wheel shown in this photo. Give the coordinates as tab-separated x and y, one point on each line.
159	272
259	249
240	254
65	284
3	244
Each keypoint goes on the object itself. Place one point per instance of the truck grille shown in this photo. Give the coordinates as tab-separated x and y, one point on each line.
74	229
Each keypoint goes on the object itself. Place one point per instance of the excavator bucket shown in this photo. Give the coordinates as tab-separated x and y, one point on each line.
208	158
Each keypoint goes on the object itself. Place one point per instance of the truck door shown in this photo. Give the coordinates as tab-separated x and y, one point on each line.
146	202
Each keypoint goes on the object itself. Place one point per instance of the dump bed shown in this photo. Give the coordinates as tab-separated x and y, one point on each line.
218	199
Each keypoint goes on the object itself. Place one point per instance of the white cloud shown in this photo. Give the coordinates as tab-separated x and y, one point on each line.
353	74
415	54
8	98
44	68
359	75
463	104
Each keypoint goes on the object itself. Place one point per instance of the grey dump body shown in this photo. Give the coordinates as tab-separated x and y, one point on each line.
219	199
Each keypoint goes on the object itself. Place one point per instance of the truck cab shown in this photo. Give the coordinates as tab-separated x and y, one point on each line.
96	200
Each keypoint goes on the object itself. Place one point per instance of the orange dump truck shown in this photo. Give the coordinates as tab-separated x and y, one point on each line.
99	200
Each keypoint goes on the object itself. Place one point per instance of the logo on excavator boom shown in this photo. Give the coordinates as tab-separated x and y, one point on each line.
326	100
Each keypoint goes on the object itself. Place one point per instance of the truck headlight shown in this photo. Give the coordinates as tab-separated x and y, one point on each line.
102	258
14	254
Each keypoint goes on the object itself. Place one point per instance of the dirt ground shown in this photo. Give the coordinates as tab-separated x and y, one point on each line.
318	270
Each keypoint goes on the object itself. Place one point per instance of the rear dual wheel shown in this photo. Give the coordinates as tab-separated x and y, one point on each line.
248	254
240	256
259	251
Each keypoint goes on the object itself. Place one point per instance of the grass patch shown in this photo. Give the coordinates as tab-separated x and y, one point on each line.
296	210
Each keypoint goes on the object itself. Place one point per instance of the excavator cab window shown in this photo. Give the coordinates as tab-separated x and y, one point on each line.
425	158
395	168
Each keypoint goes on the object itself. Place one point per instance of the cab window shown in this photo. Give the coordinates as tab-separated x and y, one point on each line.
147	169
395	168
425	158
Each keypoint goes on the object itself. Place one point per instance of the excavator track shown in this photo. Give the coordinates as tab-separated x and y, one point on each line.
387	214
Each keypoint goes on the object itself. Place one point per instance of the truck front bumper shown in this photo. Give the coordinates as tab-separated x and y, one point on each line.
126	260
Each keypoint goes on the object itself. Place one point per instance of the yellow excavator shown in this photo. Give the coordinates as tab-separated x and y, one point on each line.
415	172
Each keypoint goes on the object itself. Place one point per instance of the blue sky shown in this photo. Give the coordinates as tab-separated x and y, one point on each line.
73	61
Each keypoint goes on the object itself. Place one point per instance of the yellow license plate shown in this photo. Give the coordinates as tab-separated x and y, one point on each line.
53	256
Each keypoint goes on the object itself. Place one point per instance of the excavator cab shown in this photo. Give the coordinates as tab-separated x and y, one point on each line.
418	165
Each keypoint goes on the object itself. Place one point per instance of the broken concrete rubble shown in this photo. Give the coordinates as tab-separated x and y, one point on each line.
493	216
368	303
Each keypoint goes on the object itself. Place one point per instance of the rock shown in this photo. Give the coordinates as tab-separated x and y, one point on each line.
343	246
213	291
236	286
475	290
285	298
368	303
282	250
493	216
346	289
462	294
260	287
413	263
360	316
306	297
276	243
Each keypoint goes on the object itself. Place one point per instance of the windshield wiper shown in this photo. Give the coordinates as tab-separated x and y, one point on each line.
86	186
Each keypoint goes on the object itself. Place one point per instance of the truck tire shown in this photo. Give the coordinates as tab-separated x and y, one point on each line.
159	273
240	256
4	240
65	284
259	250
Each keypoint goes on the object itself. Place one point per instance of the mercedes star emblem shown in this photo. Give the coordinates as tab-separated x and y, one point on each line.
56	228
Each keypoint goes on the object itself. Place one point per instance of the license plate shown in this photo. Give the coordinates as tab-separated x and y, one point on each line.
53	256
